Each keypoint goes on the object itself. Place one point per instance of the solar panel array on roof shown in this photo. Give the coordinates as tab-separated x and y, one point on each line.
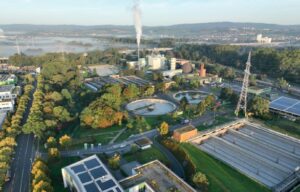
99	172
78	168
106	184
287	105
91	187
85	177
91	163
93	176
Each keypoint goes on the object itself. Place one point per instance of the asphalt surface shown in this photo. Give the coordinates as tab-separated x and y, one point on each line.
174	163
21	164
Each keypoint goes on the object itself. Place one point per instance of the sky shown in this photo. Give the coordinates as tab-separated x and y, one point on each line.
154	12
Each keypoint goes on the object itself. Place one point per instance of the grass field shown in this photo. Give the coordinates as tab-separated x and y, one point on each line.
284	126
81	135
146	156
55	172
218	121
221	177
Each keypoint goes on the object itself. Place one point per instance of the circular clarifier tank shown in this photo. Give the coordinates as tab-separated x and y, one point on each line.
151	107
193	97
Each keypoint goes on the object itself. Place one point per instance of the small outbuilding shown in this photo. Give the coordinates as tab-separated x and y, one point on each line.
185	133
144	143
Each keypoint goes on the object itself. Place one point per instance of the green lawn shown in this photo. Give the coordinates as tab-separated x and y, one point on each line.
146	156
284	126
83	135
55	172
218	121
297	189
222	178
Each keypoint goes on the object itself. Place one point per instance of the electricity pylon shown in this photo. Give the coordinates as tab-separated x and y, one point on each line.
242	103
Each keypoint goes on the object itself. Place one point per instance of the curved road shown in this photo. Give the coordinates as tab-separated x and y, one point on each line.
175	165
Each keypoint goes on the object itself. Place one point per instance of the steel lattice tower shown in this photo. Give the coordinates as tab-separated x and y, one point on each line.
242	104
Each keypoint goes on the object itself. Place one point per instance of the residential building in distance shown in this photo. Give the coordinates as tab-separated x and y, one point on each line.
8	95
91	175
7	79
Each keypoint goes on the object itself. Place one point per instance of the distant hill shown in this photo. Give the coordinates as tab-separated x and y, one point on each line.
176	30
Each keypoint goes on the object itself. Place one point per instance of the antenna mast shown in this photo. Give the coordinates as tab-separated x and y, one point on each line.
242	103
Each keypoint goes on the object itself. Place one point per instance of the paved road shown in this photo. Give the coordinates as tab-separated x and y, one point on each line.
126	144
175	165
21	165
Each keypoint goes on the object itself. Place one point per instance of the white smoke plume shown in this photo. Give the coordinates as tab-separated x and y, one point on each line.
137	22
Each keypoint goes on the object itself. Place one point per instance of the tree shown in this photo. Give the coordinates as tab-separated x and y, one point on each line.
65	141
260	107
42	186
282	83
228	73
163	129
201	108
200	180
53	153
131	92
66	94
184	103
61	114
56	96
209	101
149	90
51	142
114	161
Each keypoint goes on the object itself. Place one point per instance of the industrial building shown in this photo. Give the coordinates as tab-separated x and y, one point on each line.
91	175
286	106
156	62
263	40
266	156
185	133
98	82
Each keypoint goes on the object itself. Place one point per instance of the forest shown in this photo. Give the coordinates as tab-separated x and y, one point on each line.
272	62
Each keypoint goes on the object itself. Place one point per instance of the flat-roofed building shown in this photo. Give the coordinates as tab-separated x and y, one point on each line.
8	95
185	133
89	175
154	177
9	92
8	79
144	143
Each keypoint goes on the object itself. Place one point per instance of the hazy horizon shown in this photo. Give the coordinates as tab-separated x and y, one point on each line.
154	12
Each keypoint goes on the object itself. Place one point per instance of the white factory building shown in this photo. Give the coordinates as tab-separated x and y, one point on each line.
261	39
156	62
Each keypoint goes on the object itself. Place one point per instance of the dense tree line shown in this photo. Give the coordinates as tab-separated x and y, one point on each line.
54	103
11	128
270	61
110	56
105	111
40	177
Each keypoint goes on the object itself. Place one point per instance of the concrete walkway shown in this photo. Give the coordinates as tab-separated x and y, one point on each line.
117	136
